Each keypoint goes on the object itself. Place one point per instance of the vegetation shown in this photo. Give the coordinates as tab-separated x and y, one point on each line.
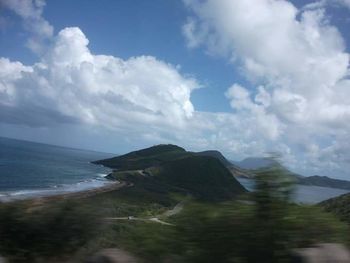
203	177
216	224
264	230
53	232
340	206
145	158
146	196
216	154
165	168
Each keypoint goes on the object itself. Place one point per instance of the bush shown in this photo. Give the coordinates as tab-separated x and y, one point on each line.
46	233
264	229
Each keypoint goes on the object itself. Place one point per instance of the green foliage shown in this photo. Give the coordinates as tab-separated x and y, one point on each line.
262	229
150	241
265	229
340	206
48	233
201	176
164	168
131	201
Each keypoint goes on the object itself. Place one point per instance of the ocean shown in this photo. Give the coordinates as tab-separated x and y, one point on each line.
30	169
304	194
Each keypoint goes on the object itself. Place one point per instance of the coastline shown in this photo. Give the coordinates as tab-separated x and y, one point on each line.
38	203
42	199
76	195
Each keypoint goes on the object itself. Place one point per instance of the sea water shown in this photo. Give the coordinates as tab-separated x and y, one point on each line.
305	194
29	169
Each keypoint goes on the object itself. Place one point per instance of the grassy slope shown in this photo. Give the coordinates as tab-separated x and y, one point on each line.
216	154
202	176
340	206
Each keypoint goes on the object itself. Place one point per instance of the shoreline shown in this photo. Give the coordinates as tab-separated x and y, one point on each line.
41	200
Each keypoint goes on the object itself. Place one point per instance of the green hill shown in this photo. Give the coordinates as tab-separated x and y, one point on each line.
203	176
340	206
171	168
216	154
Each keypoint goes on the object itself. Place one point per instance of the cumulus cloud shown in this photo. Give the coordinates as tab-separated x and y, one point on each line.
72	85
296	60
31	12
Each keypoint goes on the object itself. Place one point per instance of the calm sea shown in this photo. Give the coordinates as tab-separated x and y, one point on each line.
34	169
305	194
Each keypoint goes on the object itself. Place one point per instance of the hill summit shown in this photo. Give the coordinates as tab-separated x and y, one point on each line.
144	158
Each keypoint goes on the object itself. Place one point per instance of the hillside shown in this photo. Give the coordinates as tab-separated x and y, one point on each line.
203	176
216	154
339	206
155	155
141	159
171	168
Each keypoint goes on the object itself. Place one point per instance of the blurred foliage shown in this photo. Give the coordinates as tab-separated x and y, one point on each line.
263	227
54	231
340	206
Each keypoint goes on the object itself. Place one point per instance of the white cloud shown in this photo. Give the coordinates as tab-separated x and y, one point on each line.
31	13
70	84
325	3
299	64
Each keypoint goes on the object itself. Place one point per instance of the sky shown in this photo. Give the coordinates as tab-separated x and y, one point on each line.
246	77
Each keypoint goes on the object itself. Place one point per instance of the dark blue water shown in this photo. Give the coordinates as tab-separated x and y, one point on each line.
30	169
306	194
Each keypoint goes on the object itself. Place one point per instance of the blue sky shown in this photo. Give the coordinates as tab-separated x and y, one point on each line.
244	77
126	29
